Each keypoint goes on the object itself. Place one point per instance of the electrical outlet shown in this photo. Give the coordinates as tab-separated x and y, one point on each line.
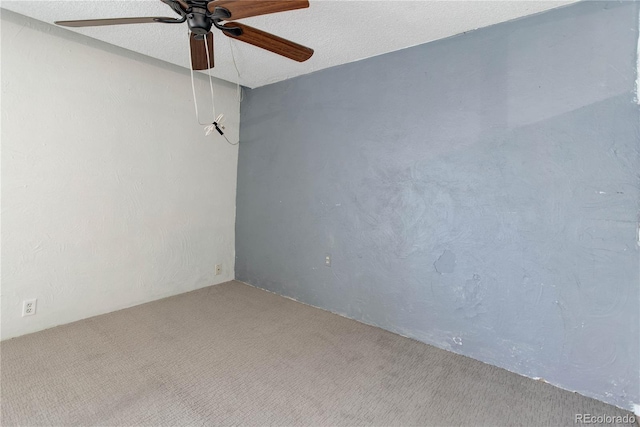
218	269
327	260
29	307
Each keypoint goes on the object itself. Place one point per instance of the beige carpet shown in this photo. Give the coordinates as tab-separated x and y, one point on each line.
233	354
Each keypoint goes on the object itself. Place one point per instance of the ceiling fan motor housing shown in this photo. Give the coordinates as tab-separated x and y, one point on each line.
198	21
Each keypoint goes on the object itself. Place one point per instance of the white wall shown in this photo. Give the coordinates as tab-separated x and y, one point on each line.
111	194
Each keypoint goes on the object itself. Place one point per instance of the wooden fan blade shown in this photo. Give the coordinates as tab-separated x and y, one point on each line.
199	52
239	9
114	21
269	42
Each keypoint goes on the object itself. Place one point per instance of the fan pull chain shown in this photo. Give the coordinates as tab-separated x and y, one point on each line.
193	85
217	123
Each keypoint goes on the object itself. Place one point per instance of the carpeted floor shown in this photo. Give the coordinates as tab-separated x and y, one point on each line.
233	354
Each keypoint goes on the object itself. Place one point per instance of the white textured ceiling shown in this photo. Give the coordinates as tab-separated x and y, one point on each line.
340	31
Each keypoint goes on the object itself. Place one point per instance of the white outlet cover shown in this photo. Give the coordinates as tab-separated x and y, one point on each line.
29	307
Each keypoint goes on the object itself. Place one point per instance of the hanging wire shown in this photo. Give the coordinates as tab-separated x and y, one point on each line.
238	87
217	123
193	85
239	93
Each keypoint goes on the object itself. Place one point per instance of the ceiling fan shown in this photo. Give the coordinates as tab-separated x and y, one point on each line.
201	15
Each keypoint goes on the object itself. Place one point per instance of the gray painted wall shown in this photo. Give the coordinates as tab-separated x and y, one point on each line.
479	193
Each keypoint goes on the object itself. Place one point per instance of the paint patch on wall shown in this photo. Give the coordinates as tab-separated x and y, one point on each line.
446	263
470	300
